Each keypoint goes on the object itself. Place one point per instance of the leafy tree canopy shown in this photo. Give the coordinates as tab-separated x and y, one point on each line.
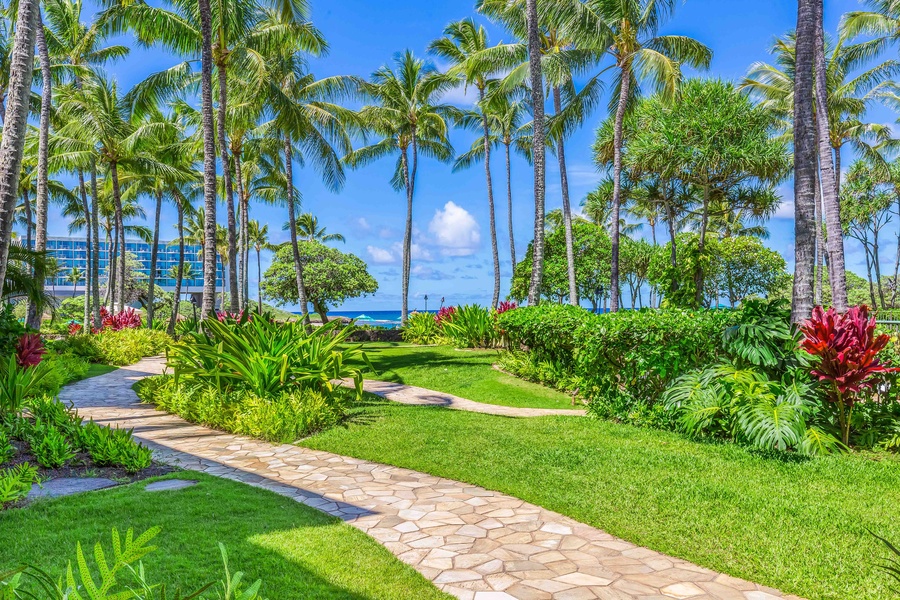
331	277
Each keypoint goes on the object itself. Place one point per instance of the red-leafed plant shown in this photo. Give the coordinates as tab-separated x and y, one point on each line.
30	350
506	306
75	328
846	348
445	314
127	319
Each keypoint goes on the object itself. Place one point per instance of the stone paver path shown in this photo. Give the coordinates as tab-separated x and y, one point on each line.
410	394
473	543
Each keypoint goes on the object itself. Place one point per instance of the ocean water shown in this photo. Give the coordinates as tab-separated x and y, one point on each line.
389	319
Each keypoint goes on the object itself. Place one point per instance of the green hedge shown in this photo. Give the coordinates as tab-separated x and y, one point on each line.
622	361
117	348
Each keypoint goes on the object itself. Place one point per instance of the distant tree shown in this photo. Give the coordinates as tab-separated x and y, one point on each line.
331	277
592	256
747	268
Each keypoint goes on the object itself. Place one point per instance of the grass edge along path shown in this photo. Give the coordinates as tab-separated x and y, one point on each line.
790	523
465	373
297	551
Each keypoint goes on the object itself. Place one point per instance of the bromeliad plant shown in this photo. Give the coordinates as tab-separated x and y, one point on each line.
471	326
845	348
21	374
267	357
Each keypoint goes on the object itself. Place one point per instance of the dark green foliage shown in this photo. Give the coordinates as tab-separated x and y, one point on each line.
6	449
283	417
114	448
10	329
548	331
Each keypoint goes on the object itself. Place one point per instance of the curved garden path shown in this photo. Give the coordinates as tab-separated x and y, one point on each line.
410	394
471	542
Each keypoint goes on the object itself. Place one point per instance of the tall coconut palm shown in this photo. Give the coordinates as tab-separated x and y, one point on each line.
101	125
475	62
258	238
15	124
849	95
408	119
639	55
309	231
308	125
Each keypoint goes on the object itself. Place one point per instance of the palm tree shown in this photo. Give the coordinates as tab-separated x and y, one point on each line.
465	45
222	250
627	31
100	125
309	231
15	125
258	237
408	119
74	276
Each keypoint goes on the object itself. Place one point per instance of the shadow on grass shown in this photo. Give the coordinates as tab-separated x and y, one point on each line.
293	548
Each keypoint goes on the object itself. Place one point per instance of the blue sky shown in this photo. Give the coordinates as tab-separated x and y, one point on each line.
452	256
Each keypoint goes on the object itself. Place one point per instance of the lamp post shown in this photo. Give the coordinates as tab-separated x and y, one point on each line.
194	306
426	302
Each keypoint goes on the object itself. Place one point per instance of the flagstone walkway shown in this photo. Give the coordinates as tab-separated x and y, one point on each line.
471	542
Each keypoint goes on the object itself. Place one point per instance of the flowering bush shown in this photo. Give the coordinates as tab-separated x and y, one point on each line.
506	306
445	314
75	328
846	348
30	350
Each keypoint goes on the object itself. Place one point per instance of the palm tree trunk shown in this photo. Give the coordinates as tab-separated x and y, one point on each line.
224	282
868	253
177	302
495	299
509	209
404	160
95	247
33	318
701	247
111	266
624	92
835	237
229	194
292	225
120	227
209	161
566	208
804	162
877	263
15	124
29	219
820	245
537	103
242	264
259	307
154	255
90	274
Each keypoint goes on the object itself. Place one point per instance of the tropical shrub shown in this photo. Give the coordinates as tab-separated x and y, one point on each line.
471	326
845	348
61	369
6	449
18	383
30	350
421	328
284	417
15	483
547	331
444	314
264	357
127	346
107	583
110	447
50	447
11	330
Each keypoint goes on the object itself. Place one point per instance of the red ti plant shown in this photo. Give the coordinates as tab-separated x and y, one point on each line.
127	319
30	350
846	348
505	306
445	314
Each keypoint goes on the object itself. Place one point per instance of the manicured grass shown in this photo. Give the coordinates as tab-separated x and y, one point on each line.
796	524
297	551
98	369
465	373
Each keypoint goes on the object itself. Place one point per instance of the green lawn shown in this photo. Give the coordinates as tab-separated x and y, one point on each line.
298	551
465	373
98	369
799	525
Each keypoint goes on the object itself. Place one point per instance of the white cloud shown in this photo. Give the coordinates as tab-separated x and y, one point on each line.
380	255
363	224
455	231
785	210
